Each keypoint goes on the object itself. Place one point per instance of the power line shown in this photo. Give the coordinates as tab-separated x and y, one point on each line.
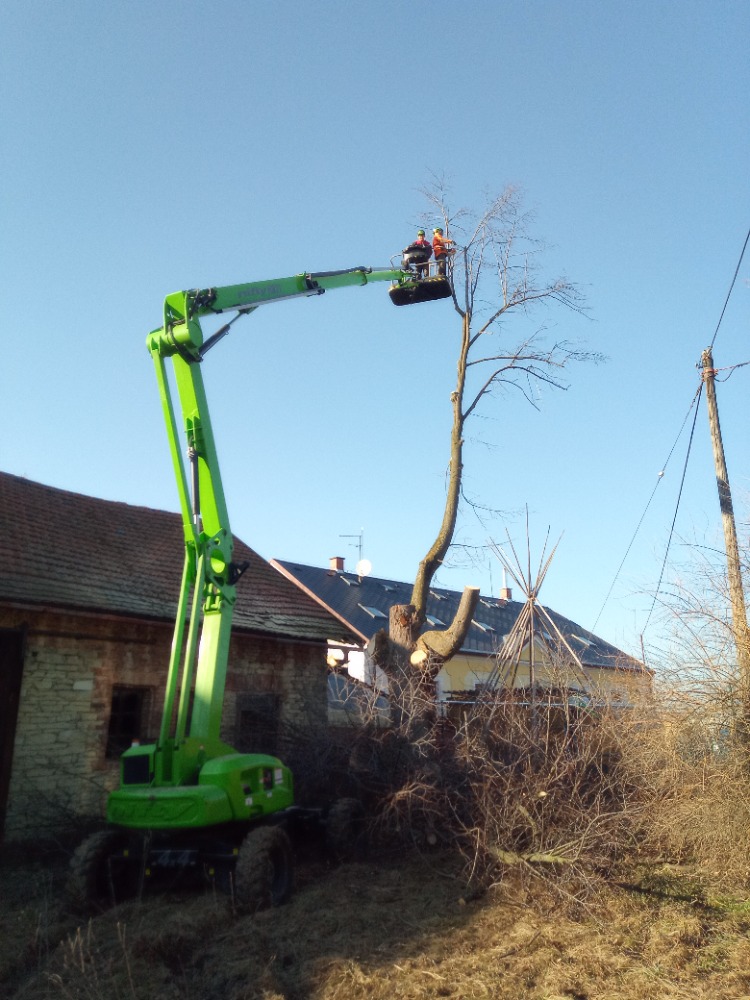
648	504
695	400
731	287
729	368
676	510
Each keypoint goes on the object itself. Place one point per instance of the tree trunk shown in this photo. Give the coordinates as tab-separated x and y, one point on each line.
412	681
432	561
405	695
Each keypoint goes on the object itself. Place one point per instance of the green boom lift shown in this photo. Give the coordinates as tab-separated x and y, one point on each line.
189	801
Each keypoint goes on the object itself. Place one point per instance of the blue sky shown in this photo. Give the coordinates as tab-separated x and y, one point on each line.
152	147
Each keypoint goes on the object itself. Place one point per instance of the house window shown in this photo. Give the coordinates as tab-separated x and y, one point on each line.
484	626
373	612
258	717
436	622
127	717
580	638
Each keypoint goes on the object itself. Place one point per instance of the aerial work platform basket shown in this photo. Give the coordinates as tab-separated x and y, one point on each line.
428	289
426	281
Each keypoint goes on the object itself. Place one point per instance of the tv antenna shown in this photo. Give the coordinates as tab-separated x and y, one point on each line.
364	566
360	541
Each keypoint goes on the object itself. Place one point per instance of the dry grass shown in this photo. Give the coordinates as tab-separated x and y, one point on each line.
387	930
528	856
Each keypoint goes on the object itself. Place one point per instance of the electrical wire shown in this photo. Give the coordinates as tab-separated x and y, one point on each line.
676	510
659	478
731	369
731	287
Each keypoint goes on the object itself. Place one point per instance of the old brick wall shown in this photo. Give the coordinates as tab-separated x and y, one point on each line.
295	672
60	773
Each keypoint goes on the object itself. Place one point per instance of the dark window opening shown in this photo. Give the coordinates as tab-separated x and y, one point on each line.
11	671
127	718
258	723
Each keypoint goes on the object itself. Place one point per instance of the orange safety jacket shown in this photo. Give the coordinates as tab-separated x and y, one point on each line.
439	245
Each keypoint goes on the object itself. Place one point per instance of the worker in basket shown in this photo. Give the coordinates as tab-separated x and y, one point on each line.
443	248
418	254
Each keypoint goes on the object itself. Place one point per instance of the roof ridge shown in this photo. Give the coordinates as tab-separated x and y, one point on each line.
69	550
75	494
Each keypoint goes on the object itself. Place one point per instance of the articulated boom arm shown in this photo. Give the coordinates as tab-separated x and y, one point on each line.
209	573
182	310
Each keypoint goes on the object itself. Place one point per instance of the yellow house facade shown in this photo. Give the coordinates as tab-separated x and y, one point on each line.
625	684
559	655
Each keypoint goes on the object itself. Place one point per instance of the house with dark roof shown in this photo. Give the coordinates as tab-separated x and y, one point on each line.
88	592
559	654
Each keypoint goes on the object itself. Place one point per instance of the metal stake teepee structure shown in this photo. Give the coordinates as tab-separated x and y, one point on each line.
534	627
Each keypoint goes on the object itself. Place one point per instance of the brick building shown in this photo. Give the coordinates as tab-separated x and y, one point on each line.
88	592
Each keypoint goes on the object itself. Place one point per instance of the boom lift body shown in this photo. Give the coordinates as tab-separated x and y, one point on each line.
189	799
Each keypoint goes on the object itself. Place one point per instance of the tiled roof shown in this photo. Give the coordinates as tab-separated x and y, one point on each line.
348	596
66	550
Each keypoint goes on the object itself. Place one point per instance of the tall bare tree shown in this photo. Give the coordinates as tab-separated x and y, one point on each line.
496	277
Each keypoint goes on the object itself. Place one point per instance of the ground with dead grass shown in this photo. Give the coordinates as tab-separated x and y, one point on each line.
390	928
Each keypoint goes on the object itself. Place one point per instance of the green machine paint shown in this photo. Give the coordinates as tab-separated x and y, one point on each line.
189	800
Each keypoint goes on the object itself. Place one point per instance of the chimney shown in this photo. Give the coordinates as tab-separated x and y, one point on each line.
505	591
336	564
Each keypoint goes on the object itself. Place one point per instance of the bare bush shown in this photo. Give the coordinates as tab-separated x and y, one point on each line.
694	759
694	789
528	779
520	779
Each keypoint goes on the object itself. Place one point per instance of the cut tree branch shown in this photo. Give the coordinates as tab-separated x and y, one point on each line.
445	643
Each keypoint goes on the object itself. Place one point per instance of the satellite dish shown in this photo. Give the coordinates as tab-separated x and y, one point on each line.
364	567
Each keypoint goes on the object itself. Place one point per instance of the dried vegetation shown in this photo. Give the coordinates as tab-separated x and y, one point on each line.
520	852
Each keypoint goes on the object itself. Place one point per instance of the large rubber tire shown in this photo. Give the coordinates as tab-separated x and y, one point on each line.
97	874
345	830
264	875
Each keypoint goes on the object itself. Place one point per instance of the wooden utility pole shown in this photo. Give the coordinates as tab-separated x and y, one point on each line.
736	593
